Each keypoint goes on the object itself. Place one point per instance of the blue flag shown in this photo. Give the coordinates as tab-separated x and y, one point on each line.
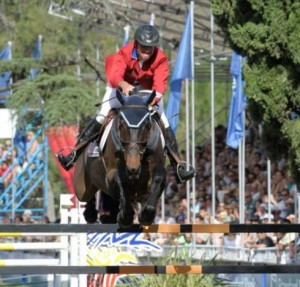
152	19
183	69
20	143
126	35
5	78
235	129
37	54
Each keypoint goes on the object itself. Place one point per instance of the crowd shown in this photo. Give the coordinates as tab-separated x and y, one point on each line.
11	164
283	197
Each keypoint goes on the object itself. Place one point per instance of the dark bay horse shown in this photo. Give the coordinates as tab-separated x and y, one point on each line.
130	169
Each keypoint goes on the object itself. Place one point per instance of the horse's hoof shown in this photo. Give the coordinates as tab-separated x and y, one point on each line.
108	219
124	222
147	215
90	213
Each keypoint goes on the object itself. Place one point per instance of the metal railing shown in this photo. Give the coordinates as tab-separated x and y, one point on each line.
28	180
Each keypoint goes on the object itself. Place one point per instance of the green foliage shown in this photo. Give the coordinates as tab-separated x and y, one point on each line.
62	98
267	32
176	257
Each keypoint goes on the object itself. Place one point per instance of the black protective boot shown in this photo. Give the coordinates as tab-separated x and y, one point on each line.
181	173
67	161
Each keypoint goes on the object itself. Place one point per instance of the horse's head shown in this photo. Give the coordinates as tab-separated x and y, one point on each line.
134	129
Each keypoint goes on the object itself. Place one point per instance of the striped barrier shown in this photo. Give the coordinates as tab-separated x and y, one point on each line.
32	246
166	269
25	262
18	229
34	234
72	252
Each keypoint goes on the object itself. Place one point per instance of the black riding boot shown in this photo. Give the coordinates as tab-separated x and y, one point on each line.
181	173
68	160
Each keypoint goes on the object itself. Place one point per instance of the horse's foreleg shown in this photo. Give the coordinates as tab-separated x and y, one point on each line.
91	213
148	212
126	213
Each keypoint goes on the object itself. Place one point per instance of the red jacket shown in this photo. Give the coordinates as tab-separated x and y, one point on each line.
124	65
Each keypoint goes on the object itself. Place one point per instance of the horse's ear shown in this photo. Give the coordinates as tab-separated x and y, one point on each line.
150	98
121	98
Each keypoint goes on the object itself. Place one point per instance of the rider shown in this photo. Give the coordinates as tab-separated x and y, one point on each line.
142	62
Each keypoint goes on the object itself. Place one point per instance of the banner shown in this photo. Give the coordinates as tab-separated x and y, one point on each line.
37	54
236	125
183	70
126	35
5	78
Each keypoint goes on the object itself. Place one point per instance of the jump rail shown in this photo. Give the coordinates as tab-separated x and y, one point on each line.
18	229
167	269
32	246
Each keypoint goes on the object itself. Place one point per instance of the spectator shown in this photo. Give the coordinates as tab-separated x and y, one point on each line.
232	240
201	238
181	213
32	147
249	206
27	216
250	239
6	219
284	204
267	218
278	183
6	171
264	241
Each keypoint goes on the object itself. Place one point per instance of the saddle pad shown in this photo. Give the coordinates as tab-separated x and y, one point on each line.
105	135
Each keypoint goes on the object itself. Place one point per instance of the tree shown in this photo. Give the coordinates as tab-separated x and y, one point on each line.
58	91
267	33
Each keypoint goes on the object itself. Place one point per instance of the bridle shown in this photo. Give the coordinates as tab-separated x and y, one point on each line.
147	146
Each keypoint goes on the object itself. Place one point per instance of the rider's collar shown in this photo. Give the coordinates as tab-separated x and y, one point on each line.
134	54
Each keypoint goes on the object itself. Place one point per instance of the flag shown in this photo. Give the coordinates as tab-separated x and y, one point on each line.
5	78
20	142
152	19
126	35
37	54
183	69
235	129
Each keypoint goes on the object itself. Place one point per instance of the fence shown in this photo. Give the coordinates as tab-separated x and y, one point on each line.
72	249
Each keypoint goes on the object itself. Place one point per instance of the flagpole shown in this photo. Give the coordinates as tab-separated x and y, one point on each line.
269	176
193	109
163	197
182	70
187	147
212	96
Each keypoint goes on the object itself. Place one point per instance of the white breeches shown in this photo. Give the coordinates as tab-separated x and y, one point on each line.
110	101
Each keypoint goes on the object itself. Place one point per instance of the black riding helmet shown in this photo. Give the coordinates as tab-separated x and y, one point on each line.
147	35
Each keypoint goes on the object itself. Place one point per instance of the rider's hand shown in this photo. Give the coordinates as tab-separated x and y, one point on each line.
126	88
157	98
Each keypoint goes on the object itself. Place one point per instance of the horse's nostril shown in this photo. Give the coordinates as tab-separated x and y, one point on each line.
134	172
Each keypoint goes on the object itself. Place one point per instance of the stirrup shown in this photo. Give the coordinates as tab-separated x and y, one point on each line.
62	158
182	165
